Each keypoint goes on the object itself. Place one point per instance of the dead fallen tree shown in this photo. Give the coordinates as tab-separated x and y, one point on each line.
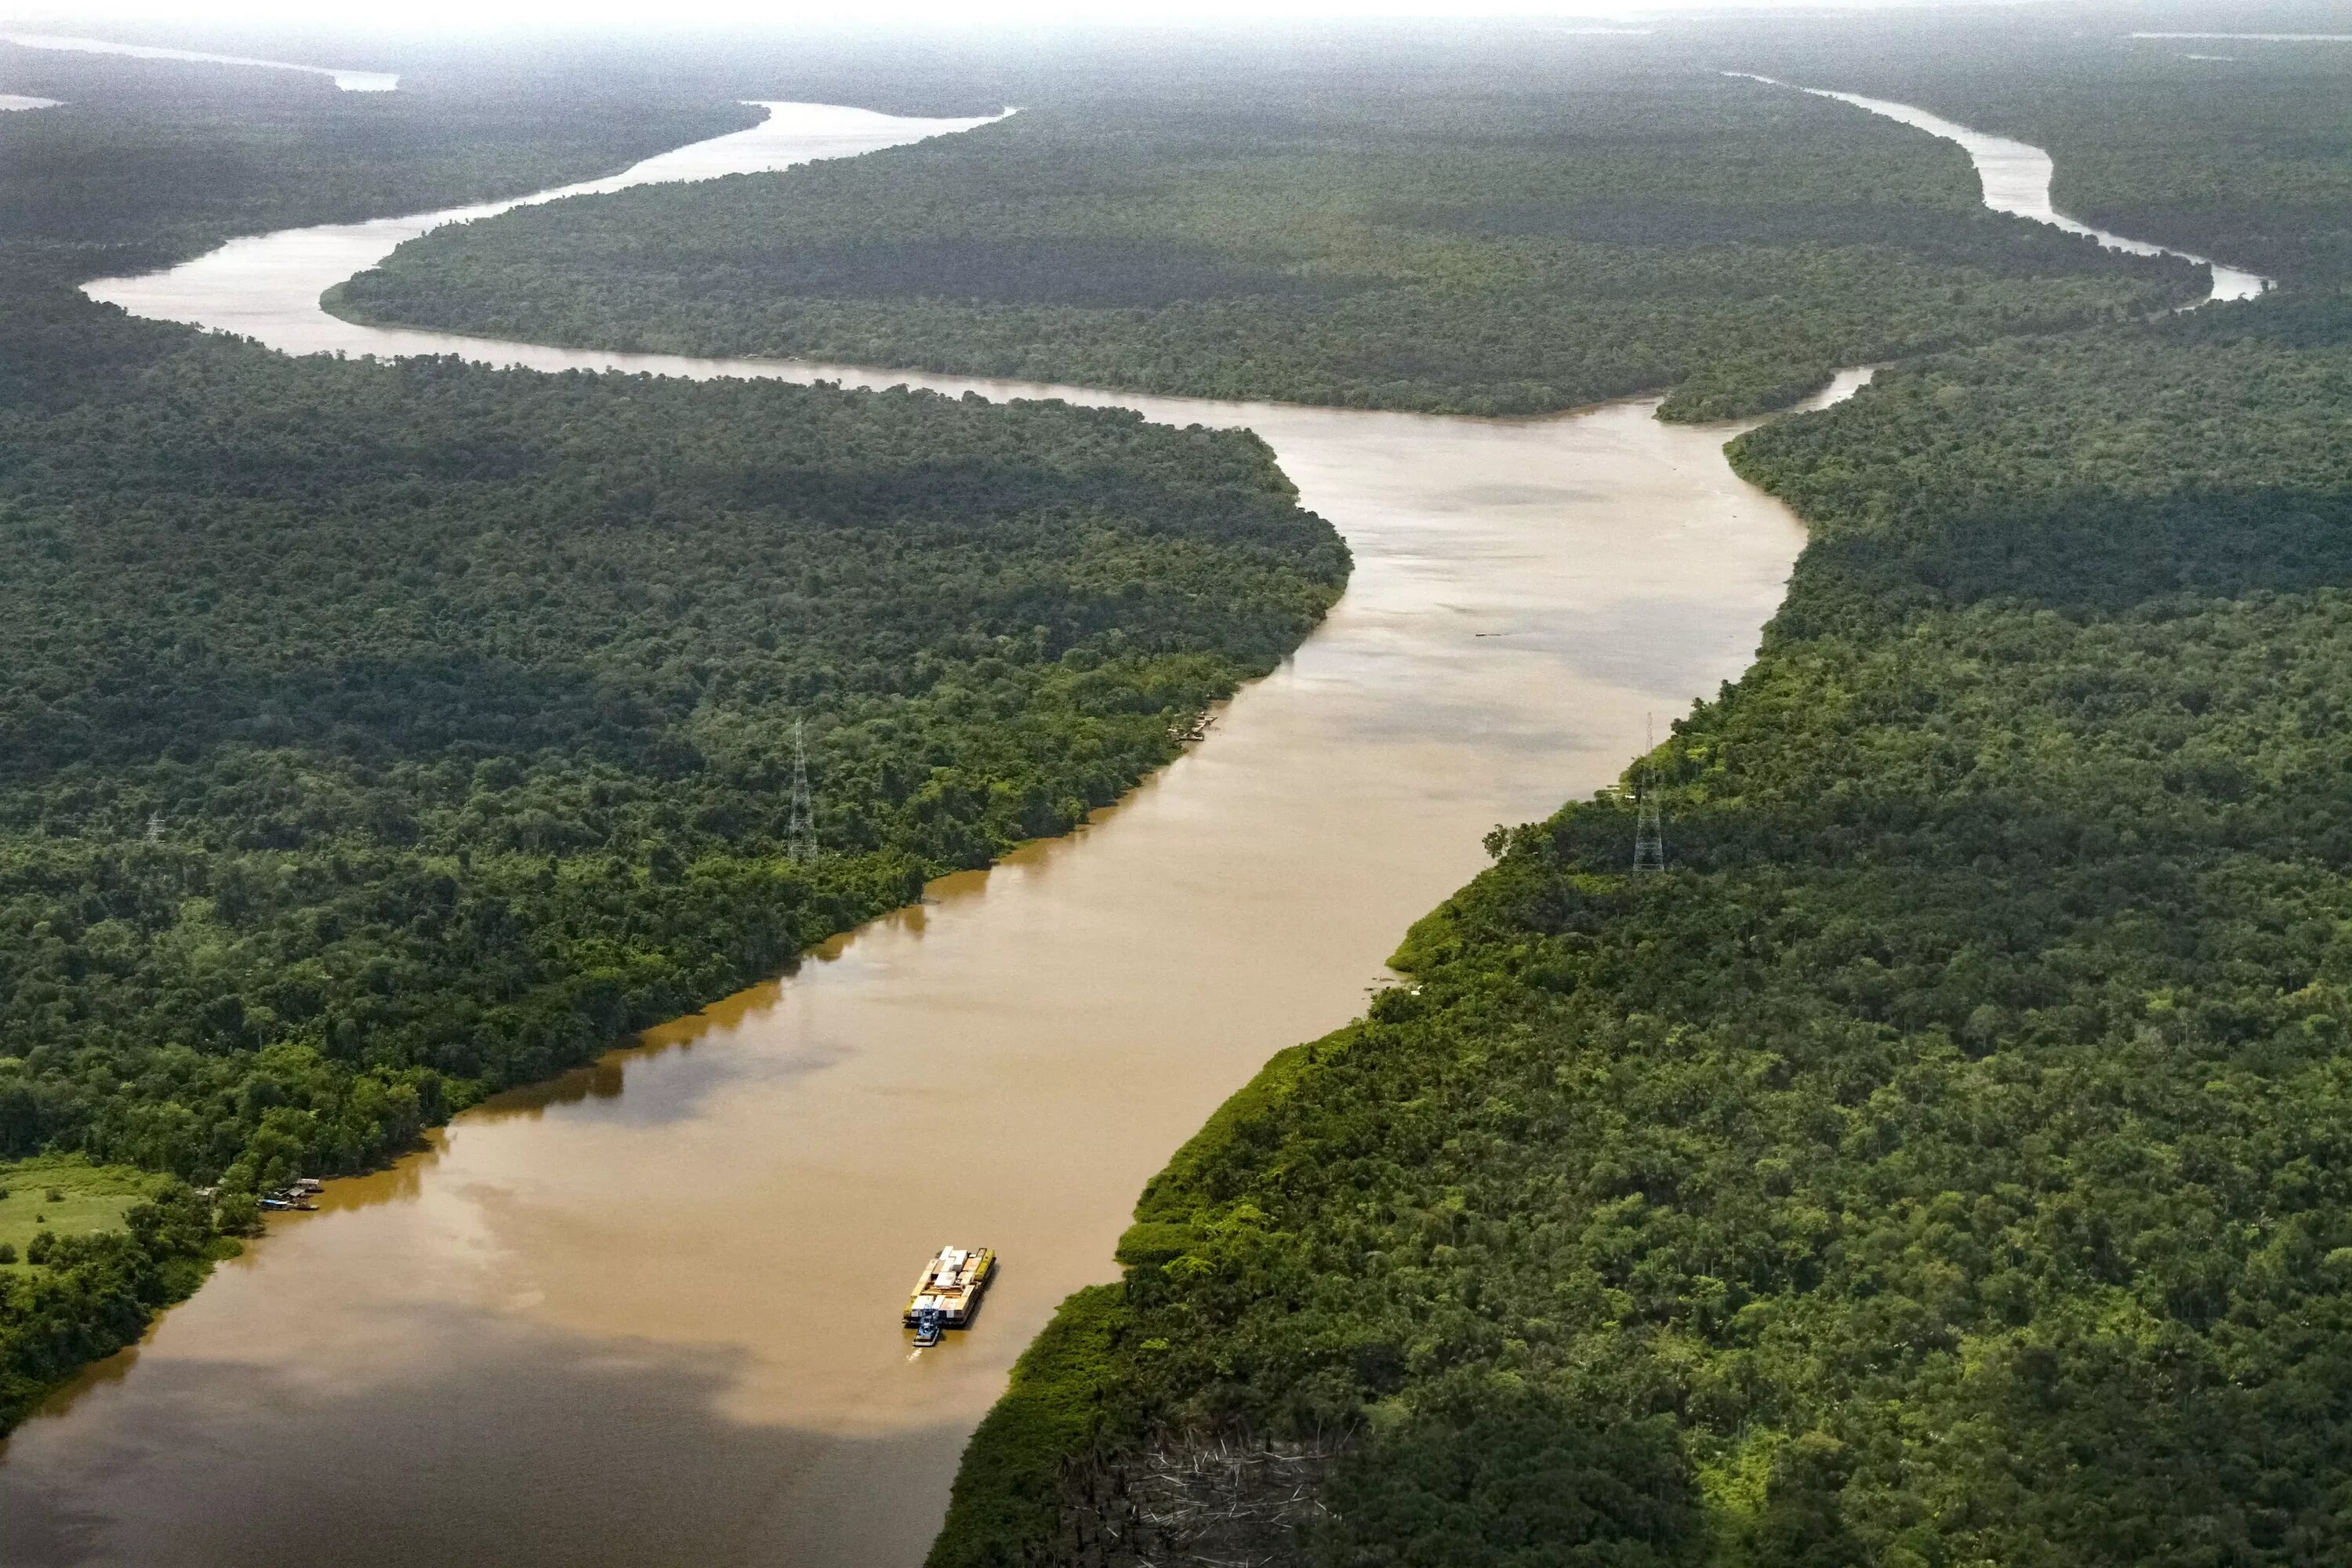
1195	1501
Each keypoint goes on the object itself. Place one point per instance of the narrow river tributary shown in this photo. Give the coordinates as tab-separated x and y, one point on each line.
647	1314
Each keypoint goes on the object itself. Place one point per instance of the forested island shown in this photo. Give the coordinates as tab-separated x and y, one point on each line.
1943	1160
1504	237
377	736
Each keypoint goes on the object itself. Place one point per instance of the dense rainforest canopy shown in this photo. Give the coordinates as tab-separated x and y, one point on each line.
1518	239
375	736
1944	1161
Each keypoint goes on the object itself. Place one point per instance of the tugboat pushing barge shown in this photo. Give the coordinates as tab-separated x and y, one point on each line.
948	1293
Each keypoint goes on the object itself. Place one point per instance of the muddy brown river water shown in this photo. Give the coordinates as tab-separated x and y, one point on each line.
647	1314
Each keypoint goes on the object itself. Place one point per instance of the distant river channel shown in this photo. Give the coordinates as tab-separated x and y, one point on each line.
649	1313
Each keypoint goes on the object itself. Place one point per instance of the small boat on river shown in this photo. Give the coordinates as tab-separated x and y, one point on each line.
948	1294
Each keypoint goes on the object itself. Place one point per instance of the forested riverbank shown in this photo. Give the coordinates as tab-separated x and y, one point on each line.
438	723
1940	1162
1558	230
382	735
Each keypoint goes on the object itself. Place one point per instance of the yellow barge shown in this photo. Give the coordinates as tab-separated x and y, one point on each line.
948	1293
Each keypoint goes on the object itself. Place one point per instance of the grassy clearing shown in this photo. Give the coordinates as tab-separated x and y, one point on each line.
94	1199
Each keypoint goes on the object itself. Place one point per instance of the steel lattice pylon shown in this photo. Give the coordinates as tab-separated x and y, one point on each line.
1649	832
800	836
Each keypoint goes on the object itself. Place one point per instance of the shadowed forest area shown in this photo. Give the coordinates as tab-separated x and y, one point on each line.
377	736
1584	219
1942	1161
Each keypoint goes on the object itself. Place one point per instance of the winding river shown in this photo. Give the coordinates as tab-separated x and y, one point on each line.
2016	177
646	1314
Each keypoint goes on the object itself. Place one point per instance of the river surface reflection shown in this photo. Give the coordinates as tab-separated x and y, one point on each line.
647	1314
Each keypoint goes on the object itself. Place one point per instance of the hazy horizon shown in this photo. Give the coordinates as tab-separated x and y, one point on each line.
574	15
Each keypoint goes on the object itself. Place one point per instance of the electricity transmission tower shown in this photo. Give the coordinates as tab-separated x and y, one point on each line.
154	828
1649	832
800	836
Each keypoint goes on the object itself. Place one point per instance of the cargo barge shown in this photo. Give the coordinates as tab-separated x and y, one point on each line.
948	1294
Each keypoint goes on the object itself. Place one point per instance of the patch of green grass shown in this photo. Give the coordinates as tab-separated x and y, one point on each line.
94	1199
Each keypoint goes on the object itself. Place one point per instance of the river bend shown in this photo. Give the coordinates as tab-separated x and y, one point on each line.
646	1314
